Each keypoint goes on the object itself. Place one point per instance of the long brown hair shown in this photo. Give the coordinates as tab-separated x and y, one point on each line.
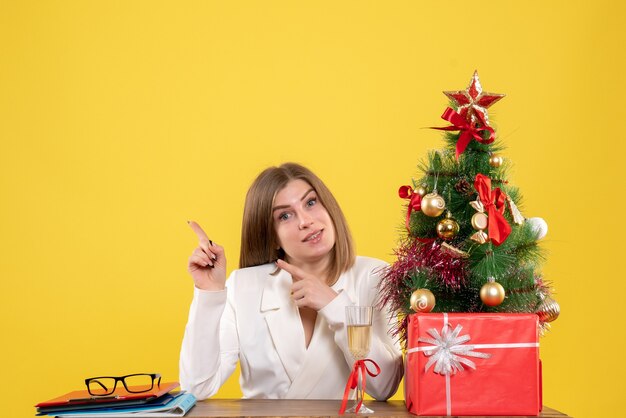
259	244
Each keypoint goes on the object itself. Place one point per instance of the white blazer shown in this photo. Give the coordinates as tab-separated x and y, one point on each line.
256	322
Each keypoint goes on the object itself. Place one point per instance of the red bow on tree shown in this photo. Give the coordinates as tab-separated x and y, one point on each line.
468	131
415	202
359	368
493	201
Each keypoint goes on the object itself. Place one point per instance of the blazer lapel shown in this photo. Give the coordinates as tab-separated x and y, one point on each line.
283	322
313	367
316	360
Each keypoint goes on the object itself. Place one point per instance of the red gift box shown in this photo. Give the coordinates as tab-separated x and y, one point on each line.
473	364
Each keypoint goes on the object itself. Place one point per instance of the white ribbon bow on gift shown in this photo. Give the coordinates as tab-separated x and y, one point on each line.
447	350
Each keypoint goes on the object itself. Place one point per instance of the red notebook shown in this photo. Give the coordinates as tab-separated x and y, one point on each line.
82	397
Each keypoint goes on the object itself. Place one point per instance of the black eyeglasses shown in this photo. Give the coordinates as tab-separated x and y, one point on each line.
133	383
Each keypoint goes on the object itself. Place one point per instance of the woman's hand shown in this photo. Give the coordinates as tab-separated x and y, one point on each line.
307	290
207	264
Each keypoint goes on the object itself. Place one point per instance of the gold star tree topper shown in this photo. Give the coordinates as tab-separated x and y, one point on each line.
473	102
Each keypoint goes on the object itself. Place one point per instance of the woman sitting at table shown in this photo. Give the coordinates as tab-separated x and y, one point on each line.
282	314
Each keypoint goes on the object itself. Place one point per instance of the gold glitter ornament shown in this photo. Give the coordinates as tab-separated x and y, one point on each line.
495	160
447	228
492	293
548	310
422	300
433	205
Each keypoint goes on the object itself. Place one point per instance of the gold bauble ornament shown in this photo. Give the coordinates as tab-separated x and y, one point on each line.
495	160
492	293
433	204
447	228
548	310
422	300
421	190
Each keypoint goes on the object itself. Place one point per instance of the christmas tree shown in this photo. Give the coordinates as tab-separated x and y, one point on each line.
467	247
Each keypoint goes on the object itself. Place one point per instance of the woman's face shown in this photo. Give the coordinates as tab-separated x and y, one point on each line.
303	226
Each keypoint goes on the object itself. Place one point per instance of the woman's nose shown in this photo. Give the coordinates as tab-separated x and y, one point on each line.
305	221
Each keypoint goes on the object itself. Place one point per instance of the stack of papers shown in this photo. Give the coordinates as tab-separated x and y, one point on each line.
158	402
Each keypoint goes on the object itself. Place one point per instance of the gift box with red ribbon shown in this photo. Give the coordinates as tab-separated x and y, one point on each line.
473	364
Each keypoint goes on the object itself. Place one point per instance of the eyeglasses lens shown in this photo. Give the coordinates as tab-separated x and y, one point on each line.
101	386
138	383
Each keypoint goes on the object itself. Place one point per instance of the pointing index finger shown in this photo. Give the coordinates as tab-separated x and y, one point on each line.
295	272
202	236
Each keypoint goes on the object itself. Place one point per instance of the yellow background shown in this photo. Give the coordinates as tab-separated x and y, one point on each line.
121	120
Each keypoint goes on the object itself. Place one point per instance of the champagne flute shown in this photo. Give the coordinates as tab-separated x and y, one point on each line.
359	324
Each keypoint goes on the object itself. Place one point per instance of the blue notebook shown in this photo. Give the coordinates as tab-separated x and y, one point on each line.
177	406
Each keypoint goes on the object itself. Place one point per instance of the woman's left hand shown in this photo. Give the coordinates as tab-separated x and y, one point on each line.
307	290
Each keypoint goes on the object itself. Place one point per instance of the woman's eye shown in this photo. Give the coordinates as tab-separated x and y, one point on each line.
311	202
283	216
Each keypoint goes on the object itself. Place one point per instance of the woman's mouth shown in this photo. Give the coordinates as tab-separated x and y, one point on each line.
314	237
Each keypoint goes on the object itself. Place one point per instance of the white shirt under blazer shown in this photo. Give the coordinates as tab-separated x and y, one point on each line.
254	320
